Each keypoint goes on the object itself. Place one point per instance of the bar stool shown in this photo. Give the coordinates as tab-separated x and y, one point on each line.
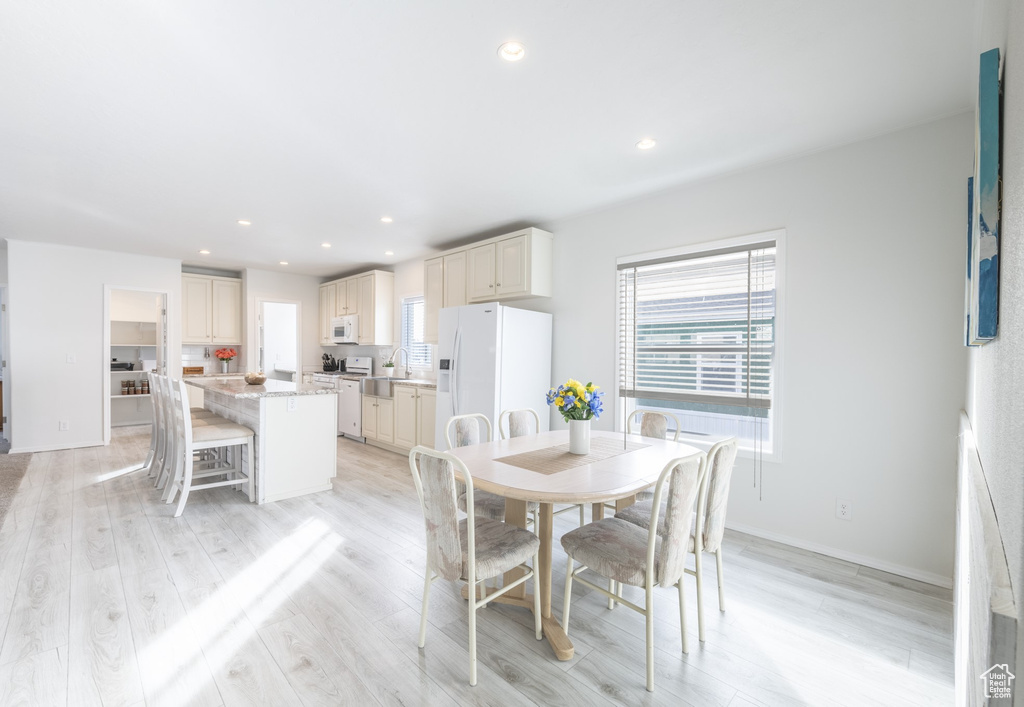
191	437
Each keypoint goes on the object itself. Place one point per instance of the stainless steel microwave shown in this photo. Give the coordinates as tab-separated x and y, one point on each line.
345	330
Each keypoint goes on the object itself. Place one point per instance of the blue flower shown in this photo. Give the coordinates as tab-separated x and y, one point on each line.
552	394
570	401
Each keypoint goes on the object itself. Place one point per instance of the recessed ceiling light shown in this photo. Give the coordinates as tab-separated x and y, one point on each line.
511	51
325	245
284	262
204	252
646	144
243	222
389	252
386	219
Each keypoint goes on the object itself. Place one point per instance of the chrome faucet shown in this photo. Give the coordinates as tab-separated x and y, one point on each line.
408	373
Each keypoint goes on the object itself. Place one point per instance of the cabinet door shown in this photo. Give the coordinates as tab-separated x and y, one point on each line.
366	309
405	417
426	414
386	420
369	417
227	312
480	273
196	302
512	267
433	296
325	315
340	299
455	280
352	295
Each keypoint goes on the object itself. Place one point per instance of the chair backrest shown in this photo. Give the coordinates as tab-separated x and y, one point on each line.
653	424
518	423
680	482
714	494
436	485
179	407
466	429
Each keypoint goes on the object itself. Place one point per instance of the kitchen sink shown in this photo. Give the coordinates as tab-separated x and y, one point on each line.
384	387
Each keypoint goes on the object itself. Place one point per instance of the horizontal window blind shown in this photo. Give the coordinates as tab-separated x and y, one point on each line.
412	332
700	328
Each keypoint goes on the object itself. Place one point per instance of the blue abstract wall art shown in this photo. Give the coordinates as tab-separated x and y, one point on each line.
983	233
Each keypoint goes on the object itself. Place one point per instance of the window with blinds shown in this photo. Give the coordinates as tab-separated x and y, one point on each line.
697	338
412	333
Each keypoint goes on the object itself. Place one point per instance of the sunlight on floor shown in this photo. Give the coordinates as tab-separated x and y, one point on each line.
226	619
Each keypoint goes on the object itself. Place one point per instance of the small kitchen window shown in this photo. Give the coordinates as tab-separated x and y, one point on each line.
412	333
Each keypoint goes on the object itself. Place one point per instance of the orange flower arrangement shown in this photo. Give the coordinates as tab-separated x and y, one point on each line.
225	354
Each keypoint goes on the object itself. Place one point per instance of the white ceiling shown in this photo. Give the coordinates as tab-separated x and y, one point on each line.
152	126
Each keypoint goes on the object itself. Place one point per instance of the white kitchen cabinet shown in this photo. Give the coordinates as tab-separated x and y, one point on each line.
211	310
433	297
371	296
480	273
370	416
406	417
455	279
227	311
511	267
379	419
426	414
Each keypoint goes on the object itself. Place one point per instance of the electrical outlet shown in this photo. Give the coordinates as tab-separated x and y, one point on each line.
293	404
844	510
72	359
62	425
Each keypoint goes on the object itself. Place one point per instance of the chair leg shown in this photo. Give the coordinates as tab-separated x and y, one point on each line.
186	485
472	640
252	470
721	580
682	614
611	590
649	613
700	592
423	611
568	596
582	519
536	597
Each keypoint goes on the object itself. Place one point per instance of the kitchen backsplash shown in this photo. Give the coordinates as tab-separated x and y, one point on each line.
197	356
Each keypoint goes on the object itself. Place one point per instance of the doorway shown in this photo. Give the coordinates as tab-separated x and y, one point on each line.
135	344
278	340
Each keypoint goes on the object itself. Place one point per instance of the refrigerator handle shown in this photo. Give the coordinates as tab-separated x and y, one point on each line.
455	371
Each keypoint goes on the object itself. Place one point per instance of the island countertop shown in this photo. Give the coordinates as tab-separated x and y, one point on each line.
237	388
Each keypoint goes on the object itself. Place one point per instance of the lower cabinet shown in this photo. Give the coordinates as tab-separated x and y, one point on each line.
379	419
403	421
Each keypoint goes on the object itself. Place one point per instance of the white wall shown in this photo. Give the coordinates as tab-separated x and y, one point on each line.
283	287
56	309
279	338
995	398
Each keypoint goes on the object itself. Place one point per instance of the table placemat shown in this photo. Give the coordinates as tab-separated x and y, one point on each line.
553	460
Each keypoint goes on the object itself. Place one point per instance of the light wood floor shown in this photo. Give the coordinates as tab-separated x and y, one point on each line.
105	599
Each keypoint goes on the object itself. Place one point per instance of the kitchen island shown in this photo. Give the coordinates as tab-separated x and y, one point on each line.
296	429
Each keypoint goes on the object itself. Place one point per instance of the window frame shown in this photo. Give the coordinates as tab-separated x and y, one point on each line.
403	302
623	406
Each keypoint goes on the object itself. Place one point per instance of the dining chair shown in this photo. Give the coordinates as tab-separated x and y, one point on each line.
625	553
156	438
471	550
192	436
519	426
709	527
653	424
466	429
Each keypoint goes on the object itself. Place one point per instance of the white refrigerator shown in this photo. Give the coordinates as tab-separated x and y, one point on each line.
491	358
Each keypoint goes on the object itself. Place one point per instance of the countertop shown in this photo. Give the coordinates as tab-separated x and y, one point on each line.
236	387
416	383
214	375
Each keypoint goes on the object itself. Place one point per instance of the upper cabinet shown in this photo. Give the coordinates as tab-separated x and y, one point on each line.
506	267
211	310
371	296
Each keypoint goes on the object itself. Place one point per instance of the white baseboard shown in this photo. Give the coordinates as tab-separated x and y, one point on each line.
901	570
54	447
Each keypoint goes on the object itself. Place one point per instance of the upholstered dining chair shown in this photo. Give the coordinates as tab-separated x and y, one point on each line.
467	431
471	550
519	426
653	424
625	553
709	527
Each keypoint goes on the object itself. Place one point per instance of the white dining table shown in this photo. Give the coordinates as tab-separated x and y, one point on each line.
540	468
